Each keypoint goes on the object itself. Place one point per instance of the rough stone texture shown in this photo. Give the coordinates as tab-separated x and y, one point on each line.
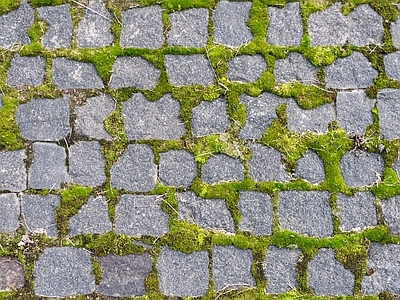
295	68
210	214
388	108
356	213
391	215
124	276
72	74
91	116
328	27
210	118
183	274
285	26
266	164
39	213
137	215
63	272
280	269
142	28
189	28
392	62
145	120
310	167
177	168
395	30
1	101
326	276
135	170
305	212
9	214
134	72
12	171
260	112
396	167
256	210
189	70
230	23
222	168
360	168
44	119
26	70
12	274
48	170
352	72
94	29
59	32
246	68
232	268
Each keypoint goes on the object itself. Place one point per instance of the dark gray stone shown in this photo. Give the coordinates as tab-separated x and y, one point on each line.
183	274
26	70
12	171
59	33
310	167
260	112
210	118
356	213
352	72
222	168
177	168
72	74
135	170
134	72
142	28
146	120
360	168
44	119
390	210
189	70
280	269
209	214
306	212
295	68
266	164
63	272
232	268
137	215
9	214
124	276
48	170
388	107
189	28
39	213
12	274
246	68
230	23
395	30
328	277
392	62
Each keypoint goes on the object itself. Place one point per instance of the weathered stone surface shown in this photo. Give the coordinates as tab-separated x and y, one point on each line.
134	72
392	62
310	167
352	72
327	277
390	210
142	28
360	168
189	70
295	68
230	23
306	212
177	168
124	276
285	26
44	119
12	171
135	170
63	272
9	214
12	274
246	68
59	33
39	213
395	30
189	28
396	167
145	120
222	168
232	268
210	214
388	108
183	274
256	210
1	101
26	70
137	215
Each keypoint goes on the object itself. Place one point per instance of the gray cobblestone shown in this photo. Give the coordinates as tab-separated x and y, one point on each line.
222	168
177	168
26	70
12	274
310	167
388	107
12	171
246	68
390	210
295	68
391	62
395	30
9	214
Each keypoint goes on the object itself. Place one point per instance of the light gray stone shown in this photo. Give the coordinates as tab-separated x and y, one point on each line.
1	101
177	168
295	68
391	215
388	108
246	68
12	171
12	274
9	213
392	62
26	70
310	167
395	30
222	168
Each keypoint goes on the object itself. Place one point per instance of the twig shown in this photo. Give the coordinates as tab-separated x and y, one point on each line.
96	12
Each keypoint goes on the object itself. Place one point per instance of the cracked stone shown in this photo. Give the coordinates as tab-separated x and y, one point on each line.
246	68
12	274
295	68
222	168
26	70
388	107
9	214
12	171
177	168
310	167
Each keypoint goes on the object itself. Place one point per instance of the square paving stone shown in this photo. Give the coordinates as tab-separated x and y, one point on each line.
246	68
181	274
137	215
44	119
12	274
63	272
395	30
295	68
177	168
388	111
124	276
222	168
142	28
12	171
26	70
391	215
310	167
392	62
306	212
9	213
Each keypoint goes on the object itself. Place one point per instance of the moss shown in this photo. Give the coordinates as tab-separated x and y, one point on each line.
8	5
38	3
10	135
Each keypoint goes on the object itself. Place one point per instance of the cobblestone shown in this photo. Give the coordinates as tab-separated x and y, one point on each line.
177	168
391	214
388	105
12	171
310	167
9	214
395	30
295	68
26	70
12	274
222	168
246	68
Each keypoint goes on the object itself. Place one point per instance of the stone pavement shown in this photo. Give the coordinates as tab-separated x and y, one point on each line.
208	173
